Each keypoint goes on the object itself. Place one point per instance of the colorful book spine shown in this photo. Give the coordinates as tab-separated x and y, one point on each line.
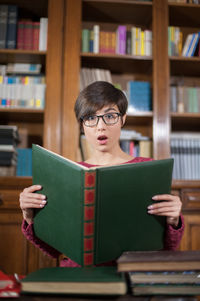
24	162
85	40
89	218
36	34
28	35
121	39
20	34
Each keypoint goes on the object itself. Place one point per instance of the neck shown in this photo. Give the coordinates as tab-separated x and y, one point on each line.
109	158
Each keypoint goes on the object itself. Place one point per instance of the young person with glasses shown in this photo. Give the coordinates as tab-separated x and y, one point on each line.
101	112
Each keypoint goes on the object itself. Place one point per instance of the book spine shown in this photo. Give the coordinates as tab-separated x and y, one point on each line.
89	218
3	25
11	37
36	33
28	34
20	35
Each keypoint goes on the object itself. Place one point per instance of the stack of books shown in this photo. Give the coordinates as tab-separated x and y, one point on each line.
9	139
162	272
137	273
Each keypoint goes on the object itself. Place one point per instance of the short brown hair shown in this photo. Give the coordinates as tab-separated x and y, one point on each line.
97	95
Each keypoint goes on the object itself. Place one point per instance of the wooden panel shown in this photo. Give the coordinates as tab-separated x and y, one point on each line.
16	253
52	129
191	199
71	77
13	245
191	237
161	125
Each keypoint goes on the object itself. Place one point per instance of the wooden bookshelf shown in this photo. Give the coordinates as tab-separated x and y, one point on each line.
43	127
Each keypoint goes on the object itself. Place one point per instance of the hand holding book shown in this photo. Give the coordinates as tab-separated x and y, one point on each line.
167	205
30	200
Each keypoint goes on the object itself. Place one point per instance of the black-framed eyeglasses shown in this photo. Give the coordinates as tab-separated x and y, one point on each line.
108	118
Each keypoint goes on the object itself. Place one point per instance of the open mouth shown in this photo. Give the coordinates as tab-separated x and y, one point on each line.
102	139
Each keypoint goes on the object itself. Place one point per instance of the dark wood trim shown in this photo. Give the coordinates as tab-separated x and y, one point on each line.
54	62
161	123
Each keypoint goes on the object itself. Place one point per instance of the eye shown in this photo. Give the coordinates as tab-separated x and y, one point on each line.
90	118
110	115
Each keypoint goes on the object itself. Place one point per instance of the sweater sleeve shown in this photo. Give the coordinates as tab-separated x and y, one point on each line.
28	232
173	236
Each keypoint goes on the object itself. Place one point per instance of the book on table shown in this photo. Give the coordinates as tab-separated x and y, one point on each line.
182	289
159	261
148	277
92	215
90	281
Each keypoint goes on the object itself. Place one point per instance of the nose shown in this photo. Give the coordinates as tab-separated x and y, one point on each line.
101	123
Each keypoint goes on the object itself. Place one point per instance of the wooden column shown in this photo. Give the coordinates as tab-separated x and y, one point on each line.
71	69
54	62
161	103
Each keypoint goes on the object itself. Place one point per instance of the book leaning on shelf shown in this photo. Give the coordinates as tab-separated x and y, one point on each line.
93	215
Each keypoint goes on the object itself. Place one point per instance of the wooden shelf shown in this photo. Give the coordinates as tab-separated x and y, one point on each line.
183	14
185	121
22	56
118	63
21	115
120	11
144	118
184	66
177	184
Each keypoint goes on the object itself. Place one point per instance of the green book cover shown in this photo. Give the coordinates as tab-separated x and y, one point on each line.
93	215
93	280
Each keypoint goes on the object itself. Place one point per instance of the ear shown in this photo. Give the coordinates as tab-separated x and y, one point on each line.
123	119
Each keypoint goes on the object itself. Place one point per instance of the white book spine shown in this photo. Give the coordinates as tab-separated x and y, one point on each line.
96	38
43	34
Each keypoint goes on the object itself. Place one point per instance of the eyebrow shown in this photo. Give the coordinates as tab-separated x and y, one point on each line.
110	109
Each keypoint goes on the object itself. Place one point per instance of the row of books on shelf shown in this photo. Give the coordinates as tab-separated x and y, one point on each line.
20	68
185	1
138	93
191	46
18	33
125	40
185	99
185	149
22	91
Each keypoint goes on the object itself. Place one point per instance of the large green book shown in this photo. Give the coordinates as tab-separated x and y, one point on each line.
89	281
94	214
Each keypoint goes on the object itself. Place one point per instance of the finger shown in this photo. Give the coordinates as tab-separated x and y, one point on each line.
33	188
165	211
36	196
32	203
164	204
165	197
